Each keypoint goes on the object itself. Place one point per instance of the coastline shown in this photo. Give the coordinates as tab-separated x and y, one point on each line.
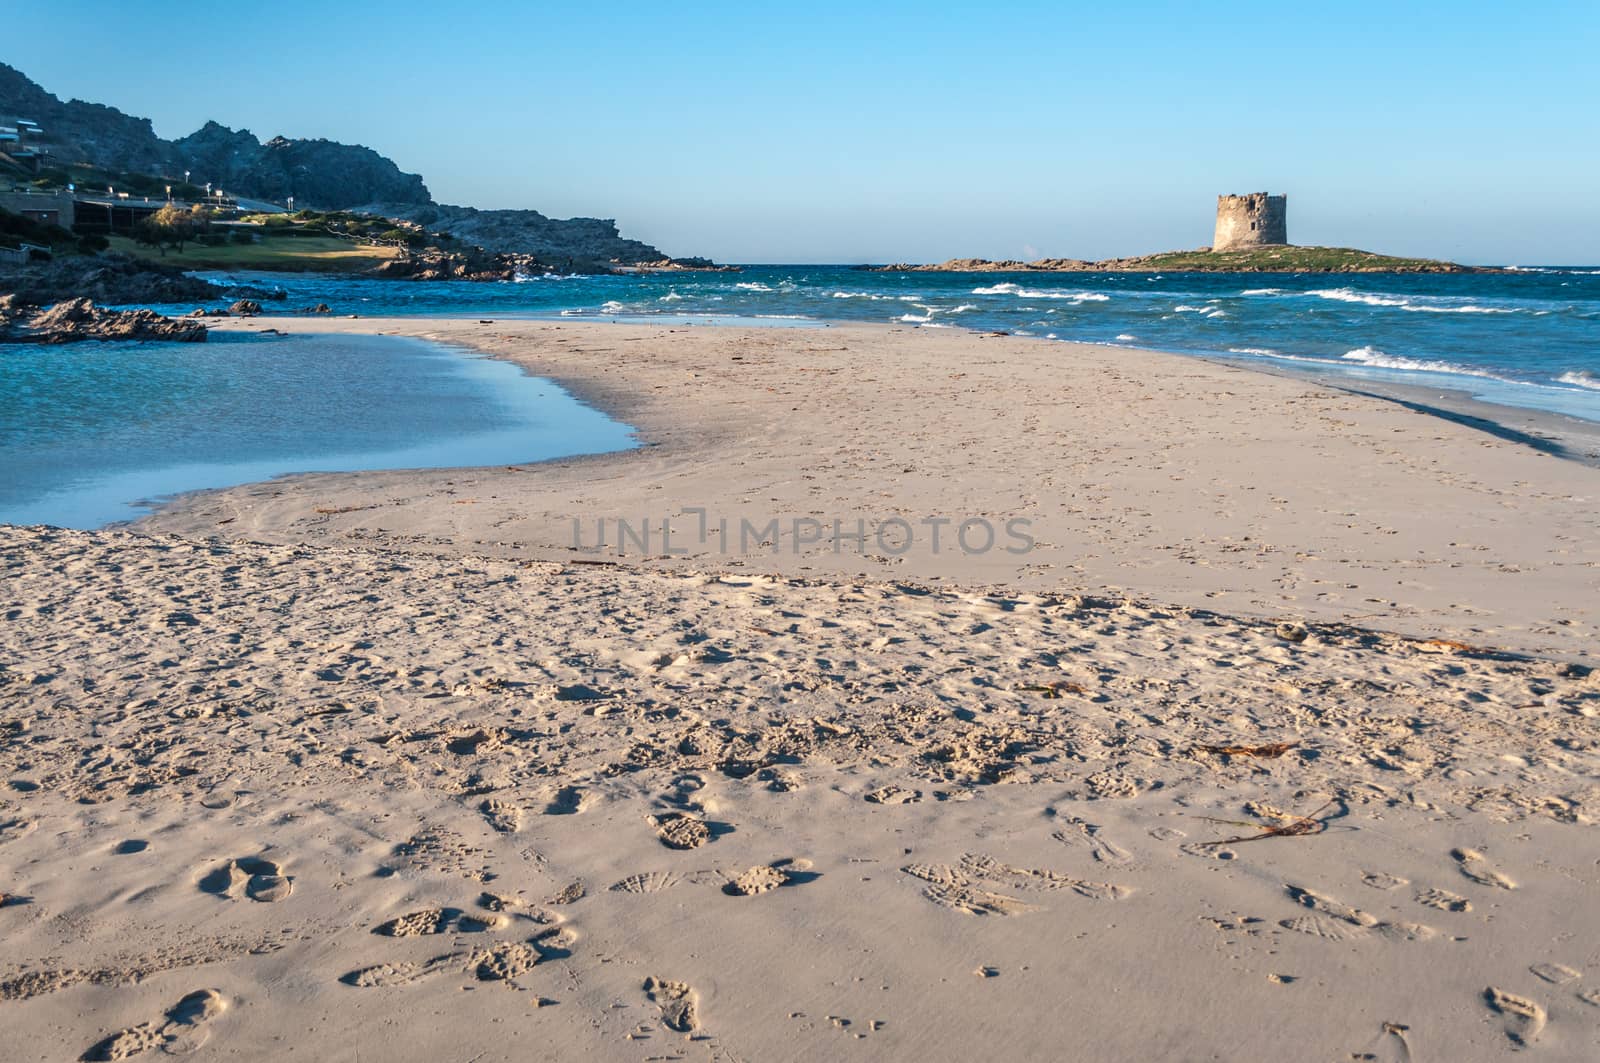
1157	504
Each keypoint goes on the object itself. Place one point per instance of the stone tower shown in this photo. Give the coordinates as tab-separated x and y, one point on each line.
1253	220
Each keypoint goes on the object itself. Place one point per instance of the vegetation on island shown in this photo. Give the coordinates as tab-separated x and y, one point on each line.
1298	260
1276	259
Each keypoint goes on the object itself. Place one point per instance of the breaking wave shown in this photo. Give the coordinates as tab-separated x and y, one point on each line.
1350	295
1042	293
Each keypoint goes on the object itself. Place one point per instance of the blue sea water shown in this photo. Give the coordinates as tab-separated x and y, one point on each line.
90	432
1530	337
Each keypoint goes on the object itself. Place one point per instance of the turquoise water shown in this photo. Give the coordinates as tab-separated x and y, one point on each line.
91	433
1529	337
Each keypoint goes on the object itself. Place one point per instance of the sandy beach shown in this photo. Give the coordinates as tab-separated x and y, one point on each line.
1279	743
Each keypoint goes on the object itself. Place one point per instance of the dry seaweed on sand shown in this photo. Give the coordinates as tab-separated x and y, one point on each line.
1051	690
1268	751
1298	825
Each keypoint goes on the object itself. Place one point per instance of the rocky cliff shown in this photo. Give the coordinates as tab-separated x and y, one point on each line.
318	173
526	232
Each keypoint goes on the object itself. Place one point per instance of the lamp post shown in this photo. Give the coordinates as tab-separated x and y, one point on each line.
169	193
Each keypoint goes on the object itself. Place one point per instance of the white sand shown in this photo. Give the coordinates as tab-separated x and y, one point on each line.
397	780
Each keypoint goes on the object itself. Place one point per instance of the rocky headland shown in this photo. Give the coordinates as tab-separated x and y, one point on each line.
323	175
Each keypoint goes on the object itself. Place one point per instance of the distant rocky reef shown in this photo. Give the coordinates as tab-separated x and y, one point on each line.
1276	259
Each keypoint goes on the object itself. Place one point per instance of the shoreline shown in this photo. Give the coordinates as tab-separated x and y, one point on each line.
701	400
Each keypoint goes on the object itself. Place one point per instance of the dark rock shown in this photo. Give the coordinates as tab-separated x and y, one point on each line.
79	319
571	245
318	173
106	278
320	308
245	308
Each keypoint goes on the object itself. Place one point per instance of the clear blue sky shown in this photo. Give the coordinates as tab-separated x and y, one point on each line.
829	132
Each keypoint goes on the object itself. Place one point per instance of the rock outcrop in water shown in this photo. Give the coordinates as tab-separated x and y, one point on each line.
1286	259
114	279
80	319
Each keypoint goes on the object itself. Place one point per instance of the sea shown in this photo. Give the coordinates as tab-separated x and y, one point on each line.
93	434
1526	337
96	433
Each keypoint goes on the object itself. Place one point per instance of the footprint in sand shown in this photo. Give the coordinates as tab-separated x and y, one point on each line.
571	893
1382	880
502	962
679	1003
12	829
569	801
894	795
780	780
1556	973
1332	908
1476	866
1081	833
503	816
183	1029
1443	900
764	878
436	921
1389	1046
1525	1019
679	830
646	882
251	876
967	888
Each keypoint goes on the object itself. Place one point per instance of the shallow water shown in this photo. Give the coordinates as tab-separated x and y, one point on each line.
1529	338
92	433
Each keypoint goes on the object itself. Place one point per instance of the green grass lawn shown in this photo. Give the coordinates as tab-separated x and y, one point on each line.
291	254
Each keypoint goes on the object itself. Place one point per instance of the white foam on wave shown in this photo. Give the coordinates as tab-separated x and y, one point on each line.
1262	291
865	295
1125	338
1264	351
1350	295
670	297
1581	378
611	307
1042	293
1372	356
752	286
